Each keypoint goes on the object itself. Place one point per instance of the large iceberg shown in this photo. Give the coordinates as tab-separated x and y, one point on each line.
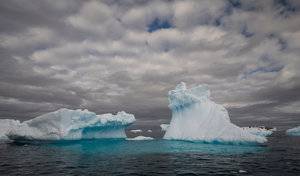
196	117
293	131
66	124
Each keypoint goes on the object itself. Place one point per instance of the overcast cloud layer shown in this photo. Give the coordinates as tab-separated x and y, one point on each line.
108	56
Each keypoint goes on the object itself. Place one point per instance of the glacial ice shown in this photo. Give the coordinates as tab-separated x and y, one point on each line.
66	124
136	131
293	131
195	117
164	127
140	138
5	126
259	131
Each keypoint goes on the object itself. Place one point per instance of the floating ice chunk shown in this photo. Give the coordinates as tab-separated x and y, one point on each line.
242	171
164	127
196	117
66	124
5	126
259	131
139	138
293	131
136	131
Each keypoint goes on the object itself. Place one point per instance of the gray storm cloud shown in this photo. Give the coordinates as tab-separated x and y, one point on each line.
108	56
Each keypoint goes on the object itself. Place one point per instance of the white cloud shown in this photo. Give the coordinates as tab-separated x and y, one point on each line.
192	13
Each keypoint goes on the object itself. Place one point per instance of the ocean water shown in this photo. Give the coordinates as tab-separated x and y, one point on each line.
280	156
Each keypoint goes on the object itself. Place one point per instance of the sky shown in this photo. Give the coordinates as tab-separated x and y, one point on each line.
108	56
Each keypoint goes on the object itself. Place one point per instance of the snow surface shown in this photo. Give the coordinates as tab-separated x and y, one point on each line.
136	131
66	124
196	117
260	131
294	131
139	138
164	127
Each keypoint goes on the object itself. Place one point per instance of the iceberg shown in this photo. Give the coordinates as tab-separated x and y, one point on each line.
140	138
136	131
164	127
195	117
293	131
66	124
259	131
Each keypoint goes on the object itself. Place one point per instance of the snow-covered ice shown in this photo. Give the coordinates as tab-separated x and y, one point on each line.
66	124
164	127
196	117
139	138
293	131
5	126
136	131
260	131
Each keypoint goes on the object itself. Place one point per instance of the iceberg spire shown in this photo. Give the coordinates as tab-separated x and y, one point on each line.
196	117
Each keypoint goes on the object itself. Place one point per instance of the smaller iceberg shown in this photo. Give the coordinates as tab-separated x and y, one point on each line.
293	131
66	124
260	131
140	138
136	131
196	117
164	127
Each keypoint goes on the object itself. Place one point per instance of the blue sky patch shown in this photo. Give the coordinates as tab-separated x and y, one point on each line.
158	24
266	69
245	32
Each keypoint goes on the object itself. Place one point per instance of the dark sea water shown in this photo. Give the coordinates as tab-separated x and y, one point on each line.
280	156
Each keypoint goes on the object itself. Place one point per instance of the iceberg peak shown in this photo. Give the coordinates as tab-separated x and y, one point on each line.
182	97
181	86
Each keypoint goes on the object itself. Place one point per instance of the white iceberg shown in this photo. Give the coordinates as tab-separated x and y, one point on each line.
293	131
140	138
136	131
259	131
66	124
196	117
164	127
5	126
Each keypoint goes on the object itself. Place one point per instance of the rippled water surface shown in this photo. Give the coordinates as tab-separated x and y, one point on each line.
280	156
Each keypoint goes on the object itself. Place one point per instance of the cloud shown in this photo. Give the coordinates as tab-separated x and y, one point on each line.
126	55
32	37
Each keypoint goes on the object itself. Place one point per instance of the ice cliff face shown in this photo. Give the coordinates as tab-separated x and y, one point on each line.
66	124
293	131
196	117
